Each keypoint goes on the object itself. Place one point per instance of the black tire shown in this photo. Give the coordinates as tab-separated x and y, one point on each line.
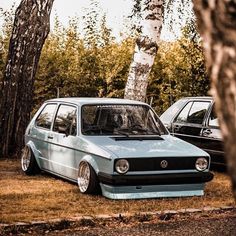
87	179
28	163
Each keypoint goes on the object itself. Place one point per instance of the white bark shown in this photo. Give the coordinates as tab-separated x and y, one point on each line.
145	50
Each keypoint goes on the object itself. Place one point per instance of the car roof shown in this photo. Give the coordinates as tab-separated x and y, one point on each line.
86	101
198	98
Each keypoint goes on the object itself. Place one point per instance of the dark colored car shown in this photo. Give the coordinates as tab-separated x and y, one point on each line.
194	120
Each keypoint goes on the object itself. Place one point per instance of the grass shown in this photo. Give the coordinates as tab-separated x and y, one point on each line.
42	197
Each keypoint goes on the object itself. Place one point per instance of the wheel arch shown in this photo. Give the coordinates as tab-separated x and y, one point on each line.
34	150
93	186
90	159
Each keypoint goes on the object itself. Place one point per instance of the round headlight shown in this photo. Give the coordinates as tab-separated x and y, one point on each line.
201	164
122	166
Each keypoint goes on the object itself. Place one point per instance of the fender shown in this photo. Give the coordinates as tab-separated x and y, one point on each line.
32	147
91	161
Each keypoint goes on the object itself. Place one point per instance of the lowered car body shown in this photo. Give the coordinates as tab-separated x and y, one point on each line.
116	146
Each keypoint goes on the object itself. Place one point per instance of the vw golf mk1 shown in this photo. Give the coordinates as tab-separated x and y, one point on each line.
116	146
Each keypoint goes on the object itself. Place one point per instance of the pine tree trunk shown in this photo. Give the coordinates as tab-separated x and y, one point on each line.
145	50
217	25
30	29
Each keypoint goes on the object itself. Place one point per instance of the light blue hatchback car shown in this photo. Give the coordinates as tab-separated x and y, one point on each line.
116	146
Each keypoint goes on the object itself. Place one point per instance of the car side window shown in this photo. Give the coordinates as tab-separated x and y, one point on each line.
44	120
213	120
183	115
193	112
66	120
197	112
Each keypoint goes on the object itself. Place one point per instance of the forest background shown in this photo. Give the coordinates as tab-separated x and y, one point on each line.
96	63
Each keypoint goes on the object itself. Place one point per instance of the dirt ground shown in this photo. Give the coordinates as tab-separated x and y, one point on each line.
43	197
221	222
218	223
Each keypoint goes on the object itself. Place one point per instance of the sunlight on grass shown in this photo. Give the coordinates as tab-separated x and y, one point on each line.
26	198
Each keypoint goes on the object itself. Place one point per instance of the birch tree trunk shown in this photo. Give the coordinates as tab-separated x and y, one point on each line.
30	29
145	50
217	25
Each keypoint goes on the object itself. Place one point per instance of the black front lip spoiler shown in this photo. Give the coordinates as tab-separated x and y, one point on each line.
158	179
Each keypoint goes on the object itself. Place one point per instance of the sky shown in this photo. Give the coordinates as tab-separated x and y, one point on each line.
116	12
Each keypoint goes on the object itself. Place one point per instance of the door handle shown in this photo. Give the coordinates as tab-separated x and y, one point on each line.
206	132
176	128
50	137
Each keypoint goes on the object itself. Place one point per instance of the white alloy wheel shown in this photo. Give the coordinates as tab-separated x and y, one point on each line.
84	177
25	158
28	162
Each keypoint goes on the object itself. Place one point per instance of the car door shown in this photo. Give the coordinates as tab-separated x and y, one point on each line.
40	133
212	139
63	141
189	122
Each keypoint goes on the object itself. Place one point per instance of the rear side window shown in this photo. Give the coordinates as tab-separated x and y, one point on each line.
44	120
197	113
193	112
66	120
213	120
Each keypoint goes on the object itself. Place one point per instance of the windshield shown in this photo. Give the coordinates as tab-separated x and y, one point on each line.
120	120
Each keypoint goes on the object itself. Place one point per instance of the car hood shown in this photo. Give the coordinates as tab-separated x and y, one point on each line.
167	146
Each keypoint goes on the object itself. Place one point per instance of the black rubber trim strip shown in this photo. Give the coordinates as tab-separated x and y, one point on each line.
157	179
139	138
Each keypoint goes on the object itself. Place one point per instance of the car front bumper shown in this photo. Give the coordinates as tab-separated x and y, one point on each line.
153	186
157	179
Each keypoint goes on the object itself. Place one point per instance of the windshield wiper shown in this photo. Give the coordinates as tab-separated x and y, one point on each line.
123	132
139	128
136	130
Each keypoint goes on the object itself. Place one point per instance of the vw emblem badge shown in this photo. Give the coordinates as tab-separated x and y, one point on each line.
164	164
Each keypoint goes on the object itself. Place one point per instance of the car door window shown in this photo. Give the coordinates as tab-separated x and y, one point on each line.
193	112
44	120
183	115
66	120
213	120
197	112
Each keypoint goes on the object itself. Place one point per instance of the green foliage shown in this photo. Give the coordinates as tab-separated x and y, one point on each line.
82	67
178	71
91	24
96	65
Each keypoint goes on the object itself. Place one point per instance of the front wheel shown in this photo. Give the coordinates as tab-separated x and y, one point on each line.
87	179
28	162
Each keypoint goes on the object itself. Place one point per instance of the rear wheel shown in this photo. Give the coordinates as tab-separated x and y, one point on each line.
87	179
28	162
